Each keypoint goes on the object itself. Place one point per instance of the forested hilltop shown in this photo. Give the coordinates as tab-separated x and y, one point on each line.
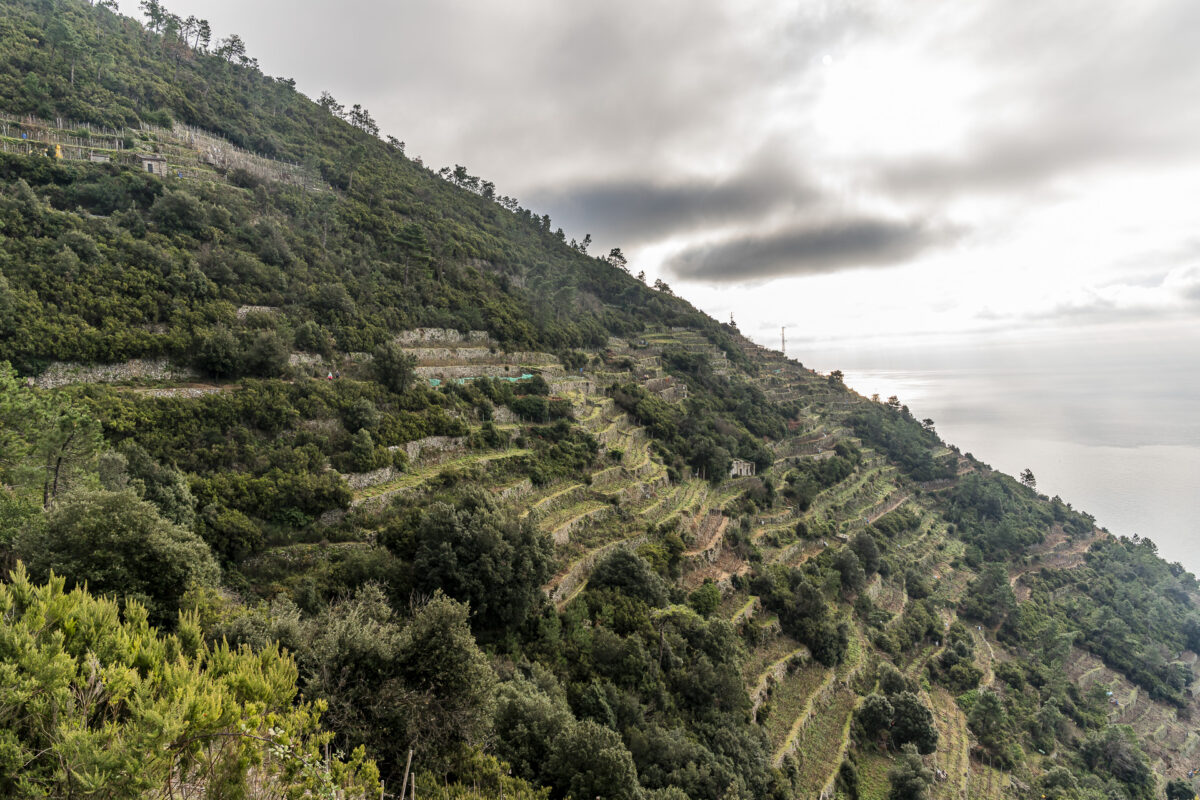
326	473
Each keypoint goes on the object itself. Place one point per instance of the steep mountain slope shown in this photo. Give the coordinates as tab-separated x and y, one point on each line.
697	568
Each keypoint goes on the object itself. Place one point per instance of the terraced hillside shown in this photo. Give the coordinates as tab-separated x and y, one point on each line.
383	417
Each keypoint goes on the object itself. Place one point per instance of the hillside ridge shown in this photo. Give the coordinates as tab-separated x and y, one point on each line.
524	526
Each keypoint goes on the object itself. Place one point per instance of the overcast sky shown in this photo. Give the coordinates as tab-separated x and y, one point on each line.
875	174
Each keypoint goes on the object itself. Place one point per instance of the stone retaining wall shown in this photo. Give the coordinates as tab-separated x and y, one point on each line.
245	311
554	502
427	355
189	392
514	492
471	371
62	373
361	480
432	449
440	335
503	415
583	567
562	534
567	385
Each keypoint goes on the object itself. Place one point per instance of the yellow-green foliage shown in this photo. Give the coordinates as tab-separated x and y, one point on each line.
94	704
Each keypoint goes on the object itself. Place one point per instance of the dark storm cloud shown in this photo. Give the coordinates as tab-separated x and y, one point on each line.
636	210
809	250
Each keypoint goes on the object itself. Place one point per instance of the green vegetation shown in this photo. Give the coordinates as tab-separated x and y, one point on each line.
98	703
506	544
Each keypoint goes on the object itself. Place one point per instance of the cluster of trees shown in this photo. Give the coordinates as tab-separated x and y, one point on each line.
701	434
997	518
402	248
809	476
804	612
1128	607
895	716
907	443
955	667
656	692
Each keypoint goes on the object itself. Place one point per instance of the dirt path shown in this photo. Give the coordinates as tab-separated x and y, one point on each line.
715	521
1056	552
887	509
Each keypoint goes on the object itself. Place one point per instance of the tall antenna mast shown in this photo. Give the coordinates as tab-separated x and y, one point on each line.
783	340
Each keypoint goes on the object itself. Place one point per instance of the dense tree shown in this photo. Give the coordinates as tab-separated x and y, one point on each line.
98	703
591	761
990	598
910	778
874	716
164	486
474	553
629	573
118	544
706	598
867	550
1027	479
988	720
1115	752
48	445
394	367
912	723
393	684
1179	789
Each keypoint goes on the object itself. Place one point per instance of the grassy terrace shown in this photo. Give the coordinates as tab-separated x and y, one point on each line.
572	514
740	608
546	503
953	753
986	783
591	538
416	478
873	767
819	747
790	706
669	501
762	660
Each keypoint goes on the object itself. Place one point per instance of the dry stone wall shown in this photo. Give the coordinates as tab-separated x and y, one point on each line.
245	311
516	491
503	415
580	570
439	335
62	373
562	534
433	449
363	480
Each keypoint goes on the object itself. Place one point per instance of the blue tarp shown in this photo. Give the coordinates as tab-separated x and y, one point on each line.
435	382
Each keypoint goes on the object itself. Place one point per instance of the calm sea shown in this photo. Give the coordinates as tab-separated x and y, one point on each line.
1113	429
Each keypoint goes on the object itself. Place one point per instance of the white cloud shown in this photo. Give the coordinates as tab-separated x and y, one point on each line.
1058	145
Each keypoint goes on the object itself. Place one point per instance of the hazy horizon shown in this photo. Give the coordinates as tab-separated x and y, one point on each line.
1112	430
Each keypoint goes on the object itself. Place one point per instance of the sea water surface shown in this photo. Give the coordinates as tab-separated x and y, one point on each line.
1113	429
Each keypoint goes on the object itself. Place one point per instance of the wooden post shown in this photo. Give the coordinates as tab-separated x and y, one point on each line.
407	764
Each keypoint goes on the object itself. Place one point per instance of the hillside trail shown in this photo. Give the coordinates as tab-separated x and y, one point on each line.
717	523
872	518
989	676
1052	554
